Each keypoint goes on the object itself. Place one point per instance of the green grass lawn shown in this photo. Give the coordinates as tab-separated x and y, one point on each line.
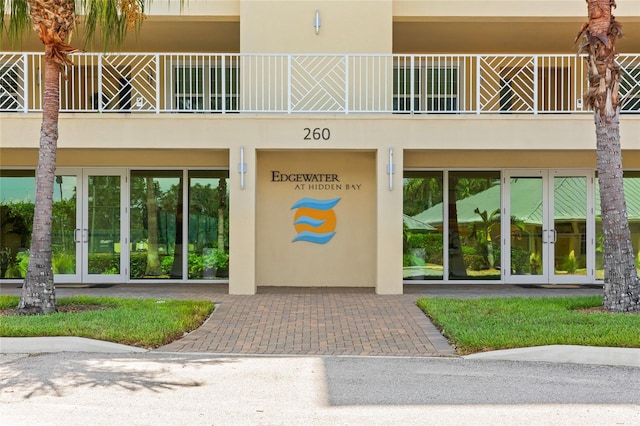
146	323
475	325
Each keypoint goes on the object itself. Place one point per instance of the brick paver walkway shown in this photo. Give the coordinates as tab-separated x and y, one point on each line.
316	321
313	321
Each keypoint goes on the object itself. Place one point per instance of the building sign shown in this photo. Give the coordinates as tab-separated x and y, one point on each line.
313	181
315	220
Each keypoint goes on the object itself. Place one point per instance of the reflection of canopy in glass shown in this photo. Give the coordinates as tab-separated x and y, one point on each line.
631	195
415	225
528	209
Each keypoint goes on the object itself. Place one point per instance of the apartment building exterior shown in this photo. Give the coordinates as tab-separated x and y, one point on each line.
369	143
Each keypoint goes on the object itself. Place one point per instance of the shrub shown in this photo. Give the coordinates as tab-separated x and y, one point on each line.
101	263
137	265
196	265
166	264
475	262
64	263
19	267
520	261
570	263
431	243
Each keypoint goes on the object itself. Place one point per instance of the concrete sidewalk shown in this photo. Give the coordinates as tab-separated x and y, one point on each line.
570	354
161	388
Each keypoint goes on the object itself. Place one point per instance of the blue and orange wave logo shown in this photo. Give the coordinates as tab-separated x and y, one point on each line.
315	221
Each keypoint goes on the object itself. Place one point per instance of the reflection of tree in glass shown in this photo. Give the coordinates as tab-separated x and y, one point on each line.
104	210
421	194
204	207
463	185
222	206
17	220
481	232
155	221
15	231
153	257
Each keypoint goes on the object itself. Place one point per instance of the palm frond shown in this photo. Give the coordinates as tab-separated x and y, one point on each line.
15	21
105	21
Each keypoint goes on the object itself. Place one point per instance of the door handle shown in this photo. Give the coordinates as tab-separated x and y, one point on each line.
555	235
75	235
544	233
85	235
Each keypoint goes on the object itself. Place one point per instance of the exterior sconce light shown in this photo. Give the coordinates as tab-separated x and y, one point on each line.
242	167
316	22
391	169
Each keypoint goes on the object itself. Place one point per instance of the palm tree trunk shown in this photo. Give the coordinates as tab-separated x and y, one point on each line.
38	292
620	275
621	290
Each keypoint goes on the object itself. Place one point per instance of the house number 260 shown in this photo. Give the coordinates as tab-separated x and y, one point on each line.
317	134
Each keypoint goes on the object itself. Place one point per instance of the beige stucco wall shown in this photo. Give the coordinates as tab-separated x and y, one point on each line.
349	257
196	131
501	8
358	147
193	8
285	26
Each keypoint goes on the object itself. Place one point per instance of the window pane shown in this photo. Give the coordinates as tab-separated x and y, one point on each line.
230	78
189	80
442	81
441	88
64	225
526	230
156	224
208	225
570	225
631	181
104	224
474	225
17	196
422	226
402	85
189	88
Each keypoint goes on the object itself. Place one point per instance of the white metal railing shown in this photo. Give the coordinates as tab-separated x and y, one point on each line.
237	83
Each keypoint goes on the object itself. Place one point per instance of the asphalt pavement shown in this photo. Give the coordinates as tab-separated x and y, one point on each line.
76	381
160	388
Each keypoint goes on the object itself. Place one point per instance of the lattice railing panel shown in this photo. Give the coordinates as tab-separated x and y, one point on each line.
507	84
318	83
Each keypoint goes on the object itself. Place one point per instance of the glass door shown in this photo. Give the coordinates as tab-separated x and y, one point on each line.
103	232
65	227
526	244
572	227
551	225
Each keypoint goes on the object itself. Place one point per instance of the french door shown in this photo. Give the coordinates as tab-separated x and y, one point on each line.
548	227
92	246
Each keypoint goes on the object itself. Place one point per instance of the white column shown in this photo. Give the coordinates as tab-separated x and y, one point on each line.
389	220
242	220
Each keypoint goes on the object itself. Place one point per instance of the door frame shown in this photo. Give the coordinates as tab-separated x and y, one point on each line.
123	276
81	274
549	275
76	277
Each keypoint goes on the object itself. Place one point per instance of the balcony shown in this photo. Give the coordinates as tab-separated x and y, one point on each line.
289	84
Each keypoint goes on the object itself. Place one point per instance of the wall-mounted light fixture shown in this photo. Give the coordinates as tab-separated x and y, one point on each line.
391	169
242	167
316	22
